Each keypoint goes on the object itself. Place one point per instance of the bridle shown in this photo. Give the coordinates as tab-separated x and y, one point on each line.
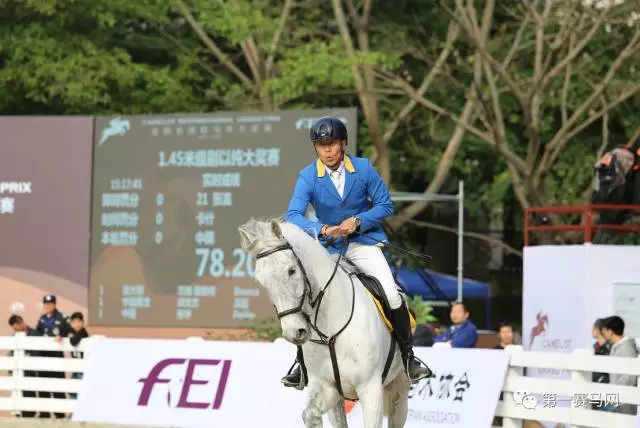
307	294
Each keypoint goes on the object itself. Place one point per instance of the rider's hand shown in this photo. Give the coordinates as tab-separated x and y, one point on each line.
348	226
333	231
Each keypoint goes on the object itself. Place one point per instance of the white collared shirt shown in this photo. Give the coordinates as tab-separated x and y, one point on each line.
338	178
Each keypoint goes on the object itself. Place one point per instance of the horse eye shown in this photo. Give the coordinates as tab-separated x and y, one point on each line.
292	271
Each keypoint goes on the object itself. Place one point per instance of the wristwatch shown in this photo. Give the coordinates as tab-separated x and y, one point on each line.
357	221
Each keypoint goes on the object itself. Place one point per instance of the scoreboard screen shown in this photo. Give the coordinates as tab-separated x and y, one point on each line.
169	193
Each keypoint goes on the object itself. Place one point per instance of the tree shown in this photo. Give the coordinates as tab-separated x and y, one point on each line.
550	71
388	28
83	57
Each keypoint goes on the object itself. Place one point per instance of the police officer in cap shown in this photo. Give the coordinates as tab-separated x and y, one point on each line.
53	324
350	201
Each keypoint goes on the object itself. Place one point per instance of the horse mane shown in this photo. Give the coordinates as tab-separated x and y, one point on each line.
269	232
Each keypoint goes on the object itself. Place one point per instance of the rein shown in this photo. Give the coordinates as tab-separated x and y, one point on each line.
325	339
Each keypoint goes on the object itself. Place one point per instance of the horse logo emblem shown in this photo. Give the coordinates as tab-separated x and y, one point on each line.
542	322
116	126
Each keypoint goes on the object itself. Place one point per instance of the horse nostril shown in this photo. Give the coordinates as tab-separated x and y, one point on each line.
301	332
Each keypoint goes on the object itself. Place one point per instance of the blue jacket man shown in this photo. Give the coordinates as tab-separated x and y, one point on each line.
361	184
462	333
350	201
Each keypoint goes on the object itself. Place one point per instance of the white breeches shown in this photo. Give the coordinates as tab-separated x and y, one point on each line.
370	260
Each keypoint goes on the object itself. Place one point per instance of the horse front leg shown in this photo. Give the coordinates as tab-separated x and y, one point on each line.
321	397
372	401
397	401
338	415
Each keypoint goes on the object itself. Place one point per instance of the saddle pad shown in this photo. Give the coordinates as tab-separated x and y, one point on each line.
386	319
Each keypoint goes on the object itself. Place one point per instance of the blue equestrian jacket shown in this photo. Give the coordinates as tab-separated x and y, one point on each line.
365	196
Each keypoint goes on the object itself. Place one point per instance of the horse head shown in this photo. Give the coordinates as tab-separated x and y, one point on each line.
279	271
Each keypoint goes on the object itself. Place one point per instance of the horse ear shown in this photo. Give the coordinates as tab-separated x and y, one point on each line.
276	229
247	241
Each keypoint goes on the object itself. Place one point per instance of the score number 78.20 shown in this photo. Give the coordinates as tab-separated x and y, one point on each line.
212	262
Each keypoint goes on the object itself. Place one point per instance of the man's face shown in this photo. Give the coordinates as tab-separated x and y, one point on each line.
330	152
506	335
77	324
607	333
49	308
18	327
458	314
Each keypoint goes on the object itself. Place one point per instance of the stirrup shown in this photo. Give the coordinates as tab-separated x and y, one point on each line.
421	364
301	383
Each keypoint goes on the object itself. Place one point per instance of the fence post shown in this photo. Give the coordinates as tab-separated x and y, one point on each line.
507	396
578	379
18	356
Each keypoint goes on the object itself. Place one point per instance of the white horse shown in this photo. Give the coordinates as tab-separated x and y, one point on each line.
295	268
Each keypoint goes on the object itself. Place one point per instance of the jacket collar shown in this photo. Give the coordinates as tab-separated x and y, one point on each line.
321	168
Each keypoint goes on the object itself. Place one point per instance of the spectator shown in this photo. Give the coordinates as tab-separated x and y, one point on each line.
18	325
423	336
600	347
463	333
79	332
52	324
505	335
621	346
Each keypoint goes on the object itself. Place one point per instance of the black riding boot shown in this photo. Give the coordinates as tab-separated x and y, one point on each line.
293	379
402	324
296	378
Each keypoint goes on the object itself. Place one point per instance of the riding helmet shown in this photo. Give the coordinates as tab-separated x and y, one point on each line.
328	128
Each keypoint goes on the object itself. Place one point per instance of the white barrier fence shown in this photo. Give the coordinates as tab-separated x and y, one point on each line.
14	363
579	388
511	408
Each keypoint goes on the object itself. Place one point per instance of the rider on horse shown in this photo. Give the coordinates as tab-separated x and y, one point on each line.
349	196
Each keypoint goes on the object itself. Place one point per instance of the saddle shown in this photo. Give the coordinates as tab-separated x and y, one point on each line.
373	286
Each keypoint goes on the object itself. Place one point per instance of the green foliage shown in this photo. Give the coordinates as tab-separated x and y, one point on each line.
267	329
422	310
121	56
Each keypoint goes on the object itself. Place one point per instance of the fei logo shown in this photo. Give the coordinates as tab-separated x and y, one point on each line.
154	377
116	126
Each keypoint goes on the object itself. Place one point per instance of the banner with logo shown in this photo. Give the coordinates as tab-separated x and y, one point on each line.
565	289
191	384
464	392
